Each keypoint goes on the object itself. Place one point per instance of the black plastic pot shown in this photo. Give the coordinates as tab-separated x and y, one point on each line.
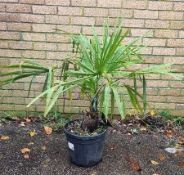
85	151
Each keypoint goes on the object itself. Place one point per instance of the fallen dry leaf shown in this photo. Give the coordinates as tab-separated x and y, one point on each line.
94	173
22	124
32	133
181	164
154	162
156	174
31	143
4	137
168	133
181	140
134	164
143	129
26	156
43	148
28	120
152	113
25	150
47	130
161	157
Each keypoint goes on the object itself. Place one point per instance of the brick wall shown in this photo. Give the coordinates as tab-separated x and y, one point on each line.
27	29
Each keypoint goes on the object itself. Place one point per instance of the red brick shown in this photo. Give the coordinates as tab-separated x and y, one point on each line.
19	26
18	8
56	55
154	42
20	45
174	60
55	19
125	13
180	106
163	51
178	68
176	84
10	35
83	20
180	51
2	7
163	105
44	9
10	53
69	28
4	17
140	32
177	25
133	23
155	59
171	92
2	26
45	46
175	43
64	47
89	3
179	6
9	0
181	34
146	51
32	1
95	12
175	99
57	38
31	18
156	98
34	37
58	2
156	24
156	5
3	45
166	33
145	14
109	3
70	10
43	28
89	31
134	4
170	15
33	54
14	17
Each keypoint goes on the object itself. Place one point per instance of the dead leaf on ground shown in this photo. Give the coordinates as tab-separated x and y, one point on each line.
25	150
143	129
161	157
43	148
181	140
4	137
134	164
156	174
32	133
94	173
28	120
22	124
31	143
181	164
26	156
154	162
47	130
168	133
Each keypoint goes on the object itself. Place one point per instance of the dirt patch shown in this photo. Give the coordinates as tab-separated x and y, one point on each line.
125	153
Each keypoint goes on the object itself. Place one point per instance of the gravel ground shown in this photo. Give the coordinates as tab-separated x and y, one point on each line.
48	155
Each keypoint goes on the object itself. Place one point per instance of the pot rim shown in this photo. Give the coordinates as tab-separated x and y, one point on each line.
82	137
